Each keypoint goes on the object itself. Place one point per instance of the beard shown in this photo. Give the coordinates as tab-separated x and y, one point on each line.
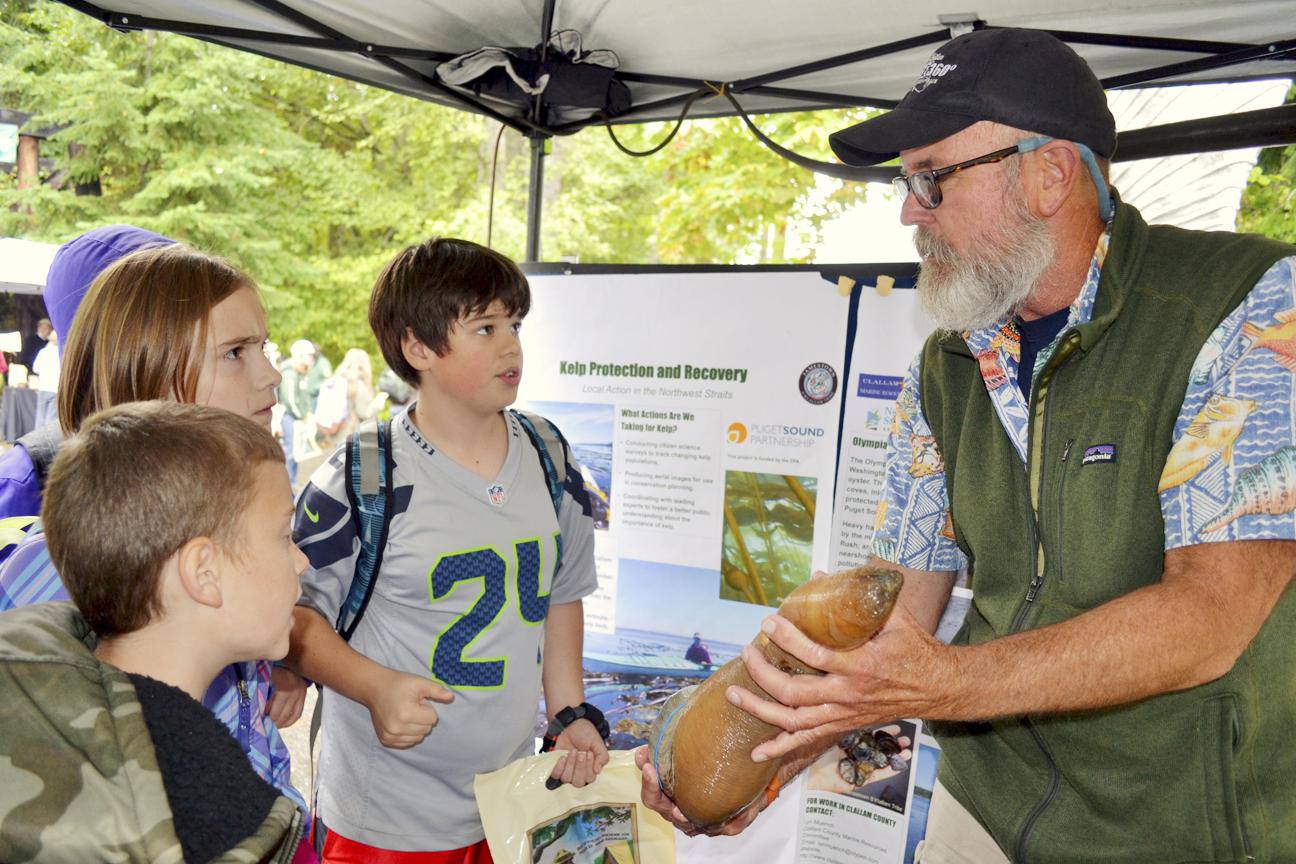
975	289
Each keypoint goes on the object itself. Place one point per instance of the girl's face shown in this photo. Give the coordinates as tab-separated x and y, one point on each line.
236	374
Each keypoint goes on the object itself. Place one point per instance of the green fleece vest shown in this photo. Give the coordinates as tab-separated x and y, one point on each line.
1203	775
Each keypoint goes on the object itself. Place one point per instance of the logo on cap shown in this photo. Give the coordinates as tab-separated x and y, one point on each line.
935	70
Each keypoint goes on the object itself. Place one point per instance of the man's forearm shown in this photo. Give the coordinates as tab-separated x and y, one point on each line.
319	654
1175	634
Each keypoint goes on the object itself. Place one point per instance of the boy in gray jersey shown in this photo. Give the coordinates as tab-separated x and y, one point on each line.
467	598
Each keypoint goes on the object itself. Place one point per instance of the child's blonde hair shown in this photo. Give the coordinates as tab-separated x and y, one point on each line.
141	331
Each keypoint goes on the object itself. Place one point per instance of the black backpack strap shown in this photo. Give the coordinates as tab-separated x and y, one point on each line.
42	446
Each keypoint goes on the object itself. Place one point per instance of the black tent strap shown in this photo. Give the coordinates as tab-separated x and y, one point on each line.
1149	43
877	174
1271	51
678	124
817	96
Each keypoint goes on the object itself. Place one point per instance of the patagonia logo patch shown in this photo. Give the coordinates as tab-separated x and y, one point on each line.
1099	453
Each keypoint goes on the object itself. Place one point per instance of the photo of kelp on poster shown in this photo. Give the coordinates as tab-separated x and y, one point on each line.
599	834
768	535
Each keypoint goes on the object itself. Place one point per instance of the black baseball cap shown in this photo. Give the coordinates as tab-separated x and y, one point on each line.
1023	78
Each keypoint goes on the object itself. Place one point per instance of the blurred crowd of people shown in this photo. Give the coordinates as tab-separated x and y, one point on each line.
320	405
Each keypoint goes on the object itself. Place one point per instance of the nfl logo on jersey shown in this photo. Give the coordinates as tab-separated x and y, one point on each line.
497	495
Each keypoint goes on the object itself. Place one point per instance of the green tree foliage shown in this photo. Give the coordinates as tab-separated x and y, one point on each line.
311	183
1269	202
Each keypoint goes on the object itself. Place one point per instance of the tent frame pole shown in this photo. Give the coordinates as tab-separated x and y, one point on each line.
535	184
535	200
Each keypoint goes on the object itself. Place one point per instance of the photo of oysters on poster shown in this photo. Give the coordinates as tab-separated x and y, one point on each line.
704	409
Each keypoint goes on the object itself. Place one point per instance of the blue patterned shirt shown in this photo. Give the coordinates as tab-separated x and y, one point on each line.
1230	475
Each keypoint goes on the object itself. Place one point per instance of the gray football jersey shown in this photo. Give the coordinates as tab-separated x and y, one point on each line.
467	577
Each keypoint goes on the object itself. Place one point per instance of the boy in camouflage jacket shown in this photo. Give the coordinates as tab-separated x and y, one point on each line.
105	751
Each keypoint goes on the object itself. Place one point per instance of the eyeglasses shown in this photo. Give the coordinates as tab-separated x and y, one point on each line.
925	185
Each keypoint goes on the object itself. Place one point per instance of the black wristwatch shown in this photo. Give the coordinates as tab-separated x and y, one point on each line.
568	716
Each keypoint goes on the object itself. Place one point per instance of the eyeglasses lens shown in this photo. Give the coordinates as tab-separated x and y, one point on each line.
925	189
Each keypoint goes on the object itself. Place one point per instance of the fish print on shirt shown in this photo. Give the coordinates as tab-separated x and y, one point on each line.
1280	338
1212	434
1231	473
1269	487
926	458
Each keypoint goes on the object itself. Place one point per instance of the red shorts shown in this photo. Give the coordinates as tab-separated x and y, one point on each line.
340	850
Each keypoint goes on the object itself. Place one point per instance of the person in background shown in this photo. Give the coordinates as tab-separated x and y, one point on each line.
296	397
398	392
33	344
320	371
697	652
46	370
347	399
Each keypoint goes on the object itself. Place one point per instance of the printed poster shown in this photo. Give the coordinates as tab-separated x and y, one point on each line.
890	331
704	410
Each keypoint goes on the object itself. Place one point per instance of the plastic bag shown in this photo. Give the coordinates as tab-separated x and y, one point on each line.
602	823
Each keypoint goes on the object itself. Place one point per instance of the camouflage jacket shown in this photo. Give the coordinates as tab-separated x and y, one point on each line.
81	780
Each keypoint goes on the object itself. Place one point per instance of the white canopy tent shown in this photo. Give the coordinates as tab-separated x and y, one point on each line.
721	57
24	265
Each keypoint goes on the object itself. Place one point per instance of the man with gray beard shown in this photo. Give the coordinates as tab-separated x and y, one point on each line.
1102	433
